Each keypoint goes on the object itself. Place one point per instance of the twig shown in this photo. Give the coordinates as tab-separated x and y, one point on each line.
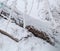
10	36
40	34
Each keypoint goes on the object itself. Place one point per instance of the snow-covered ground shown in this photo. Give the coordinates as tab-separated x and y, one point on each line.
38	20
31	43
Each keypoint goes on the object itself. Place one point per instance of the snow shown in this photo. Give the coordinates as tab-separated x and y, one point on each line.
12	29
31	43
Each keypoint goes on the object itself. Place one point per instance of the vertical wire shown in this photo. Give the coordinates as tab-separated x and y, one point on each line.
13	6
38	4
25	12
49	10
31	7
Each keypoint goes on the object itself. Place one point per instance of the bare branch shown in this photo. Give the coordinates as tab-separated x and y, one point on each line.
10	36
40	34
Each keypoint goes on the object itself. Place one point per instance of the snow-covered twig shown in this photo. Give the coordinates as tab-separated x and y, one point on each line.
40	34
10	36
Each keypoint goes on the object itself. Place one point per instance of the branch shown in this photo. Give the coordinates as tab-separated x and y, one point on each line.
10	36
40	34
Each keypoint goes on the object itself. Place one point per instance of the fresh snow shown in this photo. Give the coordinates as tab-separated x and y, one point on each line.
38	21
31	43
